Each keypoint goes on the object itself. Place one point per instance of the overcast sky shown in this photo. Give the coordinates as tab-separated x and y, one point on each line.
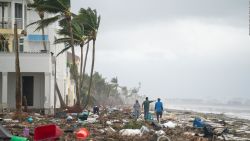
175	48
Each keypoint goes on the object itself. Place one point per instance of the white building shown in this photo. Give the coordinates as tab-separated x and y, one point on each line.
36	65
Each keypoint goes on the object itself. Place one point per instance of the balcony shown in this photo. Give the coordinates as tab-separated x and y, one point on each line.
6	23
32	43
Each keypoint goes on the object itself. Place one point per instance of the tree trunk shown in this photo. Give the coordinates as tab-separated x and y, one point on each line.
41	15
91	75
75	76
18	76
85	60
84	67
62	103
80	85
44	43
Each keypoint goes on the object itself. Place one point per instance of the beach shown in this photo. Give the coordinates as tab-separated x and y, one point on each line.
117	124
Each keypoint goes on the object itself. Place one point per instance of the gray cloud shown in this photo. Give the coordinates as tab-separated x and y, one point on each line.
119	13
176	48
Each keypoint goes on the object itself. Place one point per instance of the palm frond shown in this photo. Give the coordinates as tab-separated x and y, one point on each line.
61	40
46	22
49	8
64	3
56	6
63	31
90	19
63	50
78	32
98	23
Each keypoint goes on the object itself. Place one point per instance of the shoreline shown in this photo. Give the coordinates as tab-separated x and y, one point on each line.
218	113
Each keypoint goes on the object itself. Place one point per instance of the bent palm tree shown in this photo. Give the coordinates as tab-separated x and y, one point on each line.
61	11
90	20
18	74
80	39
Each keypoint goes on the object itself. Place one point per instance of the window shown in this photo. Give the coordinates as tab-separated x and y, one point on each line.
18	10
4	13
21	40
19	15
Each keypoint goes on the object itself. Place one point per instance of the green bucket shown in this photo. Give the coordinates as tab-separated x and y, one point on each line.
16	138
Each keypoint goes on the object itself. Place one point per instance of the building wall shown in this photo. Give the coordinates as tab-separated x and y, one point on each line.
60	71
29	62
36	62
71	92
33	46
38	89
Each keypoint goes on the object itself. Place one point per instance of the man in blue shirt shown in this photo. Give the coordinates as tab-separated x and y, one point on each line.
158	109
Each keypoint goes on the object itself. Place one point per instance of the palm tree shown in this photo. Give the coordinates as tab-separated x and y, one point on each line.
90	20
40	12
18	75
80	39
61	11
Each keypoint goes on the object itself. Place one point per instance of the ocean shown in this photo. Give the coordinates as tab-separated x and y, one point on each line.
242	112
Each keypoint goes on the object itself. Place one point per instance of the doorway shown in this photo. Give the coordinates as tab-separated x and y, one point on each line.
28	89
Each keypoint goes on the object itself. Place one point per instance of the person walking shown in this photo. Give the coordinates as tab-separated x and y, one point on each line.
145	105
158	109
137	109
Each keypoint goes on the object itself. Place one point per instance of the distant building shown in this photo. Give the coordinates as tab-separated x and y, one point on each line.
36	64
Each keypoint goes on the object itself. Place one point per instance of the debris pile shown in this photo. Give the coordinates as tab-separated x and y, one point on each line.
113	124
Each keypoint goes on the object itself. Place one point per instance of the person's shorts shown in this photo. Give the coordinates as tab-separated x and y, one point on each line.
159	114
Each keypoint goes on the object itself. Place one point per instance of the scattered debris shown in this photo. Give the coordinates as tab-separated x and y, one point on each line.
119	125
144	129
47	132
30	119
169	124
160	133
82	133
130	132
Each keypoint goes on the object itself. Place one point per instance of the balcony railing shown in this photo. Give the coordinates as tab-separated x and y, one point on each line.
6	23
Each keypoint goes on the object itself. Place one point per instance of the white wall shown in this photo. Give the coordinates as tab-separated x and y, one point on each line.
29	62
61	59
